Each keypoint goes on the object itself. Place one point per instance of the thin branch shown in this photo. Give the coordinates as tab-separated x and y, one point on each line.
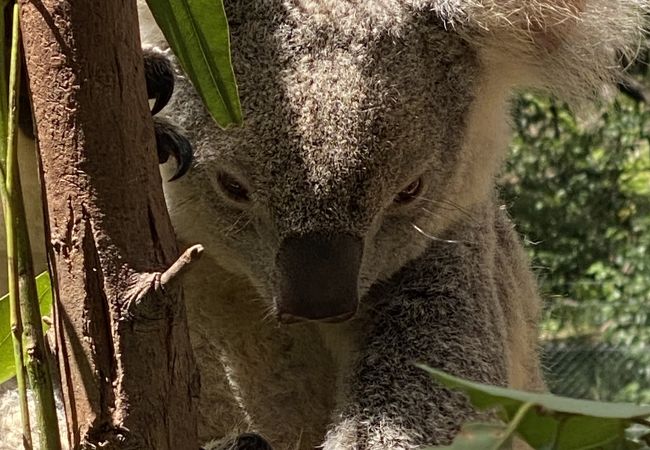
3	96
16	325
182	264
147	290
37	365
12	267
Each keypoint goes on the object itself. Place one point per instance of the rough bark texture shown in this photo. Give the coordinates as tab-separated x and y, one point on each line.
128	375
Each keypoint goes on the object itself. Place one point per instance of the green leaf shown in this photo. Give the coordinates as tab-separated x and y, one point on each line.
197	31
587	433
487	396
480	436
553	423
44	289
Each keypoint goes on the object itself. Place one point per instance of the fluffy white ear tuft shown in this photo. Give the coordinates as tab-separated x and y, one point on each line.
572	48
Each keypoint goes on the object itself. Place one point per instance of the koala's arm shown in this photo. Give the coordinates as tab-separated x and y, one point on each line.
440	310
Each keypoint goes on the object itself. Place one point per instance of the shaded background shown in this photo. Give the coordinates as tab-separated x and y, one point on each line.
579	192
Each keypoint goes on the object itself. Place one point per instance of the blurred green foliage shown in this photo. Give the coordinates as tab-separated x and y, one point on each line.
579	192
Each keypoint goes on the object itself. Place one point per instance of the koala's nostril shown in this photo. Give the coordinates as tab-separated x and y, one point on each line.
319	277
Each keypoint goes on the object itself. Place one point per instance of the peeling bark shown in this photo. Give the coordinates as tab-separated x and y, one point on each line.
128	376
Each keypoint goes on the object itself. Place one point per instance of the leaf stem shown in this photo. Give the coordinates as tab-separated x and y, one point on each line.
516	420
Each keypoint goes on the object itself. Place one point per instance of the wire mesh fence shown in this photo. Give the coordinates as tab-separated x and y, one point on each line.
585	367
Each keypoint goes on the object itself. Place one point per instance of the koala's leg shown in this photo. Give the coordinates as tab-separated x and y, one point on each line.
441	310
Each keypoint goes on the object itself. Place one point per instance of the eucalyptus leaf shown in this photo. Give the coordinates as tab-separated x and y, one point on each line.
485	396
197	31
44	290
553	423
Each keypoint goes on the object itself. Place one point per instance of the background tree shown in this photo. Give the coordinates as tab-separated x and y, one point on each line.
579	191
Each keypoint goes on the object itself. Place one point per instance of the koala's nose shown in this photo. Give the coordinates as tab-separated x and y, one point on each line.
319	277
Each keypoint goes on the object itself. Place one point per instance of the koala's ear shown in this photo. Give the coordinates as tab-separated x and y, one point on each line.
571	48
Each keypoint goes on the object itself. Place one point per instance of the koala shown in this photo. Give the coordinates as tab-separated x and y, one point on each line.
352	226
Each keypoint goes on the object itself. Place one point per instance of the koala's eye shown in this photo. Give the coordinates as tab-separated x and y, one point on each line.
409	193
232	187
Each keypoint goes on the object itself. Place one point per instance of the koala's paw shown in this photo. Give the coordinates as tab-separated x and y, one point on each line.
159	74
170	141
245	441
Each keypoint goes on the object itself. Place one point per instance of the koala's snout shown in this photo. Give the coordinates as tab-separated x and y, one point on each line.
319	275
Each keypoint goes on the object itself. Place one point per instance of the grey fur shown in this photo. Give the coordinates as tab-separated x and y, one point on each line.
346	102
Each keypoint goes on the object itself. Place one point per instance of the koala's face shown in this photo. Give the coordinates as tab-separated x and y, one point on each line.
352	138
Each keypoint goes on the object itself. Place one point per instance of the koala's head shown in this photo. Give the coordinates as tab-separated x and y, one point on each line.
370	127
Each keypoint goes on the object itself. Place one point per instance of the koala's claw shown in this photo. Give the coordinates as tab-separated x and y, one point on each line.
250	441
159	74
245	441
170	142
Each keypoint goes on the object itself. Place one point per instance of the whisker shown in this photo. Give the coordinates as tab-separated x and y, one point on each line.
299	442
236	230
232	226
233	229
269	316
437	213
453	207
440	204
437	239
268	309
244	225
458	206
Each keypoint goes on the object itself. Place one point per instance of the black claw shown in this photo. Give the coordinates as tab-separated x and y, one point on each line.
159	73
170	142
251	441
246	441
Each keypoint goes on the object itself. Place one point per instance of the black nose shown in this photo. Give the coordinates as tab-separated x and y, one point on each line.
319	277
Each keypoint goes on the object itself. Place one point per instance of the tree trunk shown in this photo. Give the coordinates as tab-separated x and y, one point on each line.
128	375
